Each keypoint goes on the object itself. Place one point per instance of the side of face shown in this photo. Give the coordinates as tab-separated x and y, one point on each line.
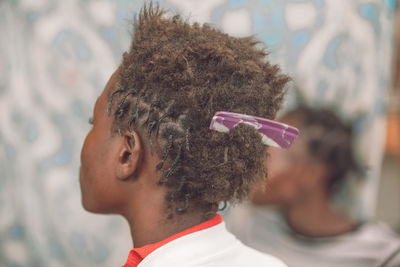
101	191
292	175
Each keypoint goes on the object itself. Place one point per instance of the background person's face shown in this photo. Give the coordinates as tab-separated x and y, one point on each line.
286	178
290	174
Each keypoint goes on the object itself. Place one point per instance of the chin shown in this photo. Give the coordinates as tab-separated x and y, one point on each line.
91	208
95	207
84	197
265	201
85	204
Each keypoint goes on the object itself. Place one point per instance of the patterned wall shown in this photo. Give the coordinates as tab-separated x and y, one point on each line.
56	56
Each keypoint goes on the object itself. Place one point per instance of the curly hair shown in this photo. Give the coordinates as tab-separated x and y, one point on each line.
173	79
328	140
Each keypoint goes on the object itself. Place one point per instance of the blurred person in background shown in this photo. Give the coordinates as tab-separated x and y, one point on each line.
293	215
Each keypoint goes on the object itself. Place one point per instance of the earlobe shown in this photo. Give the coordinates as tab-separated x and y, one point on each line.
129	155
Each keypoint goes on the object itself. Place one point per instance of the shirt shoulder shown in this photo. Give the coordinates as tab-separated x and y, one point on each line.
212	247
246	256
238	255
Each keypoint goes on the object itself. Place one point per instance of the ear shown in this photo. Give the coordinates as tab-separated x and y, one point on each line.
129	155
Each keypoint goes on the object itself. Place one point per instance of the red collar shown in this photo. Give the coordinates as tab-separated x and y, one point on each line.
136	255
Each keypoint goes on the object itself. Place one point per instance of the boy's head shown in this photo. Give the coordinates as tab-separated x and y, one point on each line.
162	98
318	161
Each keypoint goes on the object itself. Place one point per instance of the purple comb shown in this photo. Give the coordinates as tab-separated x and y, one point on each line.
273	133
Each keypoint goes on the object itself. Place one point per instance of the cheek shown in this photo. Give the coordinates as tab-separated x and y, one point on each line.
284	185
98	187
87	173
85	157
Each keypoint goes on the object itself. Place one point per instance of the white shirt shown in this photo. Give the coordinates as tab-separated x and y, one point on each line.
211	247
371	244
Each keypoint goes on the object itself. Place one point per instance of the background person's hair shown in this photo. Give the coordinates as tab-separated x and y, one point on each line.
172	81
328	140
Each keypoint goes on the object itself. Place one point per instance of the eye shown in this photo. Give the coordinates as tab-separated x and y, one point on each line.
91	121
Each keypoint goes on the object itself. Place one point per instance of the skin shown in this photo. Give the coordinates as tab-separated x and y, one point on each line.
118	176
298	187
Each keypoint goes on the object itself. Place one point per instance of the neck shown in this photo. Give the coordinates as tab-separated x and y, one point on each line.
315	216
148	228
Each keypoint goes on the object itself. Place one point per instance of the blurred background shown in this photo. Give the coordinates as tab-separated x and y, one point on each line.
56	56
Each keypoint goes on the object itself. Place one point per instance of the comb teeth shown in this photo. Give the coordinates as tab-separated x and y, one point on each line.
273	133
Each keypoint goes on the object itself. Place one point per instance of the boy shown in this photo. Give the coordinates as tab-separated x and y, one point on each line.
150	155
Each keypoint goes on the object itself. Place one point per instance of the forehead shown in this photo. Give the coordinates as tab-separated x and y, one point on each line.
112	83
100	107
102	100
293	119
299	146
